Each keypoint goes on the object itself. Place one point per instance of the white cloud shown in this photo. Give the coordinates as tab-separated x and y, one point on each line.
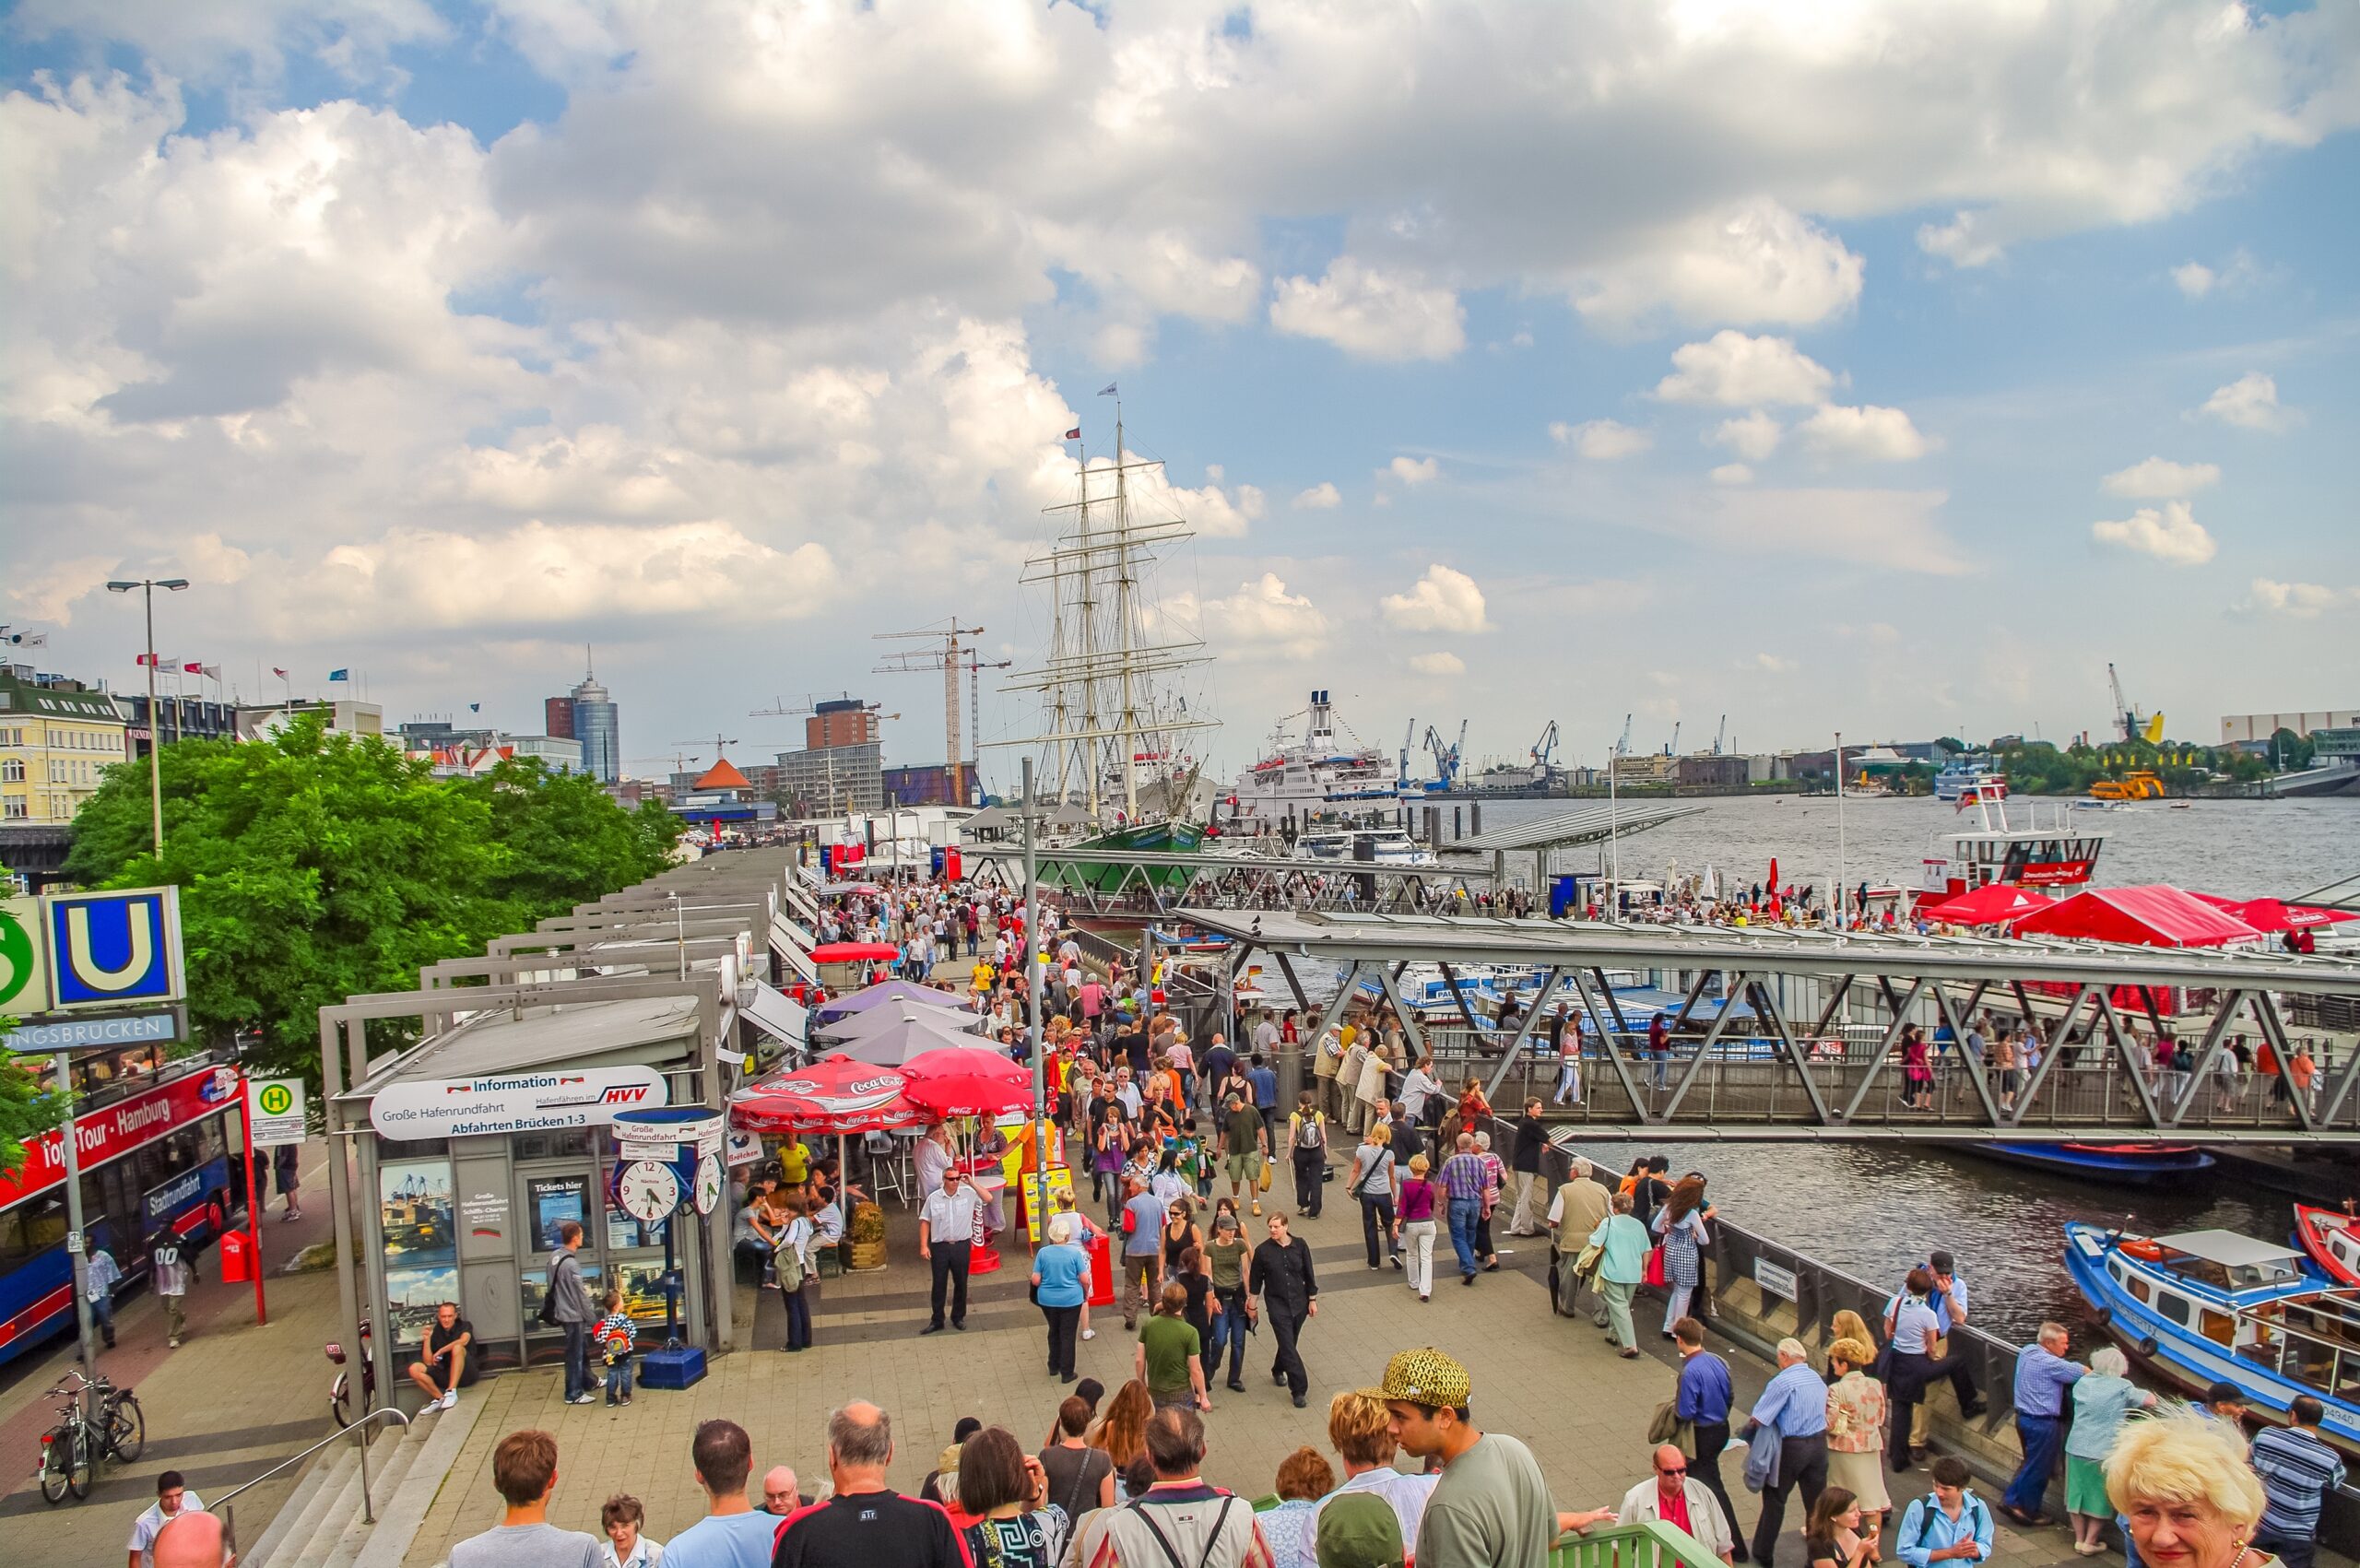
1733	370
2250	403
1897	530
1731	474
1261	615
1752	436
1370	314
1321	497
1444	599
1757	262
2301	601
2172	534
1413	470
1214	511
2157	479
1967	239
1438	663
1867	434
1601	441
1770	664
2195	279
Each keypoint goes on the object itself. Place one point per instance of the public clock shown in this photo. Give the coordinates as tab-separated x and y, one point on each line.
647	1190
708	1184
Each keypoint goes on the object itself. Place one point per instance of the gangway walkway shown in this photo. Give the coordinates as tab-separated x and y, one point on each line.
1744	1060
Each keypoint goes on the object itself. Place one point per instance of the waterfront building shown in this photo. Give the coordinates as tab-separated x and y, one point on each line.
2261	726
56	737
831	780
1720	773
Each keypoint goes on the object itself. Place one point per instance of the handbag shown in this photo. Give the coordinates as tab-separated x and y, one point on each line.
1262	1182
1667	1427
1656	1274
1588	1262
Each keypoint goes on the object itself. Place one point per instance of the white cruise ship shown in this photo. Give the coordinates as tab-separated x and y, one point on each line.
1318	775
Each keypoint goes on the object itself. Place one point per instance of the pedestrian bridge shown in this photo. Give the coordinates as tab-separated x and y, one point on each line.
1794	1034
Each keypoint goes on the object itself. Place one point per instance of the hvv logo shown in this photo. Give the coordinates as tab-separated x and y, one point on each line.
113	949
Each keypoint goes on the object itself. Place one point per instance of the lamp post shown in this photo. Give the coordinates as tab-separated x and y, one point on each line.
148	586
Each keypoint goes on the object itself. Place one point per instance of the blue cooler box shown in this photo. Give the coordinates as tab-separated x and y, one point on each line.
671	1369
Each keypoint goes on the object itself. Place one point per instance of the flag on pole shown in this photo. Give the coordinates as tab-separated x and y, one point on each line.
191	667
29	639
279	673
158	660
212	672
1108	391
339	675
1073	434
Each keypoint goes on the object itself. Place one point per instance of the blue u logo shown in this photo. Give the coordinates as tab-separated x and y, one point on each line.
114	948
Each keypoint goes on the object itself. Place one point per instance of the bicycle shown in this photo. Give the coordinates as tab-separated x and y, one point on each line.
121	1426
71	1450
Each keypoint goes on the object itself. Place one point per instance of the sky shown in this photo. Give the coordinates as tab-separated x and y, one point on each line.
1881	366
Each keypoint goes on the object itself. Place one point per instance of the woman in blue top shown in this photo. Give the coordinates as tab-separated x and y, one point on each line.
1060	1284
2101	1401
1623	1263
1680	1223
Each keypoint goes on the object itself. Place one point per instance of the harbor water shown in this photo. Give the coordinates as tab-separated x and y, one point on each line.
1874	1209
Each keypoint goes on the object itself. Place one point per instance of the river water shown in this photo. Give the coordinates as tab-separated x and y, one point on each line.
1873	1209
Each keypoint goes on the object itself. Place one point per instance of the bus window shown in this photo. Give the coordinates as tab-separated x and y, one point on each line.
30	1229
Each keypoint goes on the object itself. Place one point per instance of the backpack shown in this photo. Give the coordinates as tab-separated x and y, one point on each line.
1310	1131
790	1268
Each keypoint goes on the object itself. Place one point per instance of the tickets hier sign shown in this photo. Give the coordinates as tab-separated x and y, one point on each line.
515	1102
119	1128
116	950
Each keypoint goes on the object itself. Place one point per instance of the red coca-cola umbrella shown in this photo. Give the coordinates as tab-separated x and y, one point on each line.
967	1083
835	1094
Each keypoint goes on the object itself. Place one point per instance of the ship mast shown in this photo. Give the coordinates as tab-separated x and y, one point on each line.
1123	611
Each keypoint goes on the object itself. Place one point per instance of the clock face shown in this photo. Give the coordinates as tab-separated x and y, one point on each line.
708	1188
647	1190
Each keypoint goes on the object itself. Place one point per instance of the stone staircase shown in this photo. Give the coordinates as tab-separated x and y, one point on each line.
322	1523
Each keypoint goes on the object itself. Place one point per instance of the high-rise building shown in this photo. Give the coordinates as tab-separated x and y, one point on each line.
597	724
557	717
847	721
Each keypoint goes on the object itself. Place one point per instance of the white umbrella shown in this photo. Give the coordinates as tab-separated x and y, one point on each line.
907	1037
880	1021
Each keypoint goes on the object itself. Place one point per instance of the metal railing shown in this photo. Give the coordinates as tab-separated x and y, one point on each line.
1650	1543
368	1507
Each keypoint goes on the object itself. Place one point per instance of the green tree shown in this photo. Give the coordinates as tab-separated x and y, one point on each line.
312	867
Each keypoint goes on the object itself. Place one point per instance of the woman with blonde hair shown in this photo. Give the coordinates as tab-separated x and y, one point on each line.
2190	1499
1413	1228
1856	1414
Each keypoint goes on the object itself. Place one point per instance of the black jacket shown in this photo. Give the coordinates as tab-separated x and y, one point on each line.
1531	1137
1282	1276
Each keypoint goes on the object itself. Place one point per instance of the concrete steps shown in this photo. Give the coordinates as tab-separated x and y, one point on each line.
322	1524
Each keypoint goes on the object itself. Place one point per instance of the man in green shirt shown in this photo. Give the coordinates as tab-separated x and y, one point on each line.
1169	1358
1248	1142
1490	1509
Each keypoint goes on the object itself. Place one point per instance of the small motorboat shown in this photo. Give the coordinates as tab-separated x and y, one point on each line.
2117	1164
2207	1306
2330	1237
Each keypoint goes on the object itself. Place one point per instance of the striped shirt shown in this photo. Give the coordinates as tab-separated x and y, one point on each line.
2296	1470
1463	1176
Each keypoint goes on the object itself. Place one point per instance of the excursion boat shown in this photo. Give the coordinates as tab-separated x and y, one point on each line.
2212	1306
1315	776
1380	847
2060	853
1962	777
2327	1235
2117	1164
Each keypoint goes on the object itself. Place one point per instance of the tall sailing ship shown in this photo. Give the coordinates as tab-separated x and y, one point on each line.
1120	739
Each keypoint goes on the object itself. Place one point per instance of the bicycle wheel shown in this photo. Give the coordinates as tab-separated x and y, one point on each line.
126	1429
53	1467
79	1462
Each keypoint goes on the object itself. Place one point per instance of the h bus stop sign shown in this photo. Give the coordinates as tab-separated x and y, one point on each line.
275	1110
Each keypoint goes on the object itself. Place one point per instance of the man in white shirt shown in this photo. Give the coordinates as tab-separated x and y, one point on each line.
1675	1497
100	1278
172	1499
945	1238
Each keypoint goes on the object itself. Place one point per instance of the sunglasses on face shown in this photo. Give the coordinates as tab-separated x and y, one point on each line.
1674	1471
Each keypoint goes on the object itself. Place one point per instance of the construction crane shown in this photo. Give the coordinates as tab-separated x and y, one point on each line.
779	707
948	659
1543	750
1720	737
2127	718
696	748
976	664
1672	748
1409	739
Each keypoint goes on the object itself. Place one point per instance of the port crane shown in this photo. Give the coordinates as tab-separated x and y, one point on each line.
1408	738
1543	751
2127	717
1672	748
1446	759
1622	747
1721	737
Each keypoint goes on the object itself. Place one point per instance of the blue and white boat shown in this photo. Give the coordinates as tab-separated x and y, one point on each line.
2117	1164
1958	777
2207	1306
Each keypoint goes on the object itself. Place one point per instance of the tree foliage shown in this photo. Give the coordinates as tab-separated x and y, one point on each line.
312	867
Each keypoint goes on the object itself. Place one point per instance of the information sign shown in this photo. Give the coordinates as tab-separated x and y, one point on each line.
275	1110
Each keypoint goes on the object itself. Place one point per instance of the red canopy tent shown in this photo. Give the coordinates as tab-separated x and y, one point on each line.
1994	903
2155	915
2271	917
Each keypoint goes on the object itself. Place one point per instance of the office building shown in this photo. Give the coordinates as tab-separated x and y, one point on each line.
340	716
179	718
845	721
597	724
557	717
831	780
926	784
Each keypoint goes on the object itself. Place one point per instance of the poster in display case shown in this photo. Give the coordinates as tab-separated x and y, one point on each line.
412	1294
553	1200
416	1217
642	1281
534	1283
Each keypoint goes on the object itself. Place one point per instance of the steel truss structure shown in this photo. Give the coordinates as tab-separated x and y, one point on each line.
1804	1028
1137	884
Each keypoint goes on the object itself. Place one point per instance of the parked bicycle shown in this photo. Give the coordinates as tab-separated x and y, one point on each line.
114	1428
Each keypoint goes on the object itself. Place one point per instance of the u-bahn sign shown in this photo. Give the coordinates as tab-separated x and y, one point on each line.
114	950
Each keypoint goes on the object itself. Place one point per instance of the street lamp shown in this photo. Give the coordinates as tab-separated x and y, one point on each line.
148	586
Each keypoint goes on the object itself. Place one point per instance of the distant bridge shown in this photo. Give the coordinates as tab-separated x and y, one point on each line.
1793	1034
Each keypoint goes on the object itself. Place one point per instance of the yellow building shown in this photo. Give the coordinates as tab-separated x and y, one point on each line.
54	743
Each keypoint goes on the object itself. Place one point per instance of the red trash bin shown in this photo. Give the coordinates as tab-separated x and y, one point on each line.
236	1257
1102	1269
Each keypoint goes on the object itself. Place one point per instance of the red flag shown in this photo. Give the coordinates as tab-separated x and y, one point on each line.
279	673
146	659
1073	434
192	669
